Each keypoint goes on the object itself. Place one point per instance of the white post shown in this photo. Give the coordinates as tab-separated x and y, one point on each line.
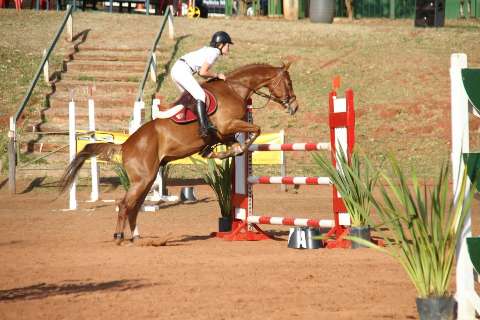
459	115
467	298
12	157
13	128
171	30
341	143
283	165
155	111
73	152
240	164
93	160
137	117
162	185
69	26
240	181
46	73
158	192
340	105
153	68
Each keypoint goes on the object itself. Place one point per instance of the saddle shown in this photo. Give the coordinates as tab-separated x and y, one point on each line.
182	111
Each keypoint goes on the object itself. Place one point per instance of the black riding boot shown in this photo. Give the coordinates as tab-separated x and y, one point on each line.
206	128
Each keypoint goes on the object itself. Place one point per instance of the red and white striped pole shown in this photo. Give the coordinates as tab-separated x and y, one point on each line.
342	137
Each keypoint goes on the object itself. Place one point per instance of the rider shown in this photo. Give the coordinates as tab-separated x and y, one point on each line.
200	61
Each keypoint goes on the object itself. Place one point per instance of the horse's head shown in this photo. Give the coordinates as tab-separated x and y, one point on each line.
281	88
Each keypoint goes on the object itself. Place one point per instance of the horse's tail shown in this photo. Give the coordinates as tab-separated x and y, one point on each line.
105	150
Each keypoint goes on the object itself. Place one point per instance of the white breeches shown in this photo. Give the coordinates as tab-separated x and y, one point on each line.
182	76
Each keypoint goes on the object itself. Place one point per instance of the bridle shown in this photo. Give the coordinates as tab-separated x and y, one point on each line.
285	102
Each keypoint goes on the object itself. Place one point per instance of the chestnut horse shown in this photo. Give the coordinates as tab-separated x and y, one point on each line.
162	140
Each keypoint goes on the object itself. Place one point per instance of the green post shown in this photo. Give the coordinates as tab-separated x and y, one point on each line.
392	9
301	9
228	7
473	245
271	4
274	8
471	82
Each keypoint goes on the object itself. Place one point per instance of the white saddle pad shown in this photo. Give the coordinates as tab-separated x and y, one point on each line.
157	114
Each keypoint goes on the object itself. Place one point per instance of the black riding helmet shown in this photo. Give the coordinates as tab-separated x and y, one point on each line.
220	37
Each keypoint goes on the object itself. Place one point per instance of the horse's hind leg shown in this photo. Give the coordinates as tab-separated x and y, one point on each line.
118	236
132	217
129	206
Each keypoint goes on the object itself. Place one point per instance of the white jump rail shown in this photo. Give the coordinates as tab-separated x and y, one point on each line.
289	180
290	147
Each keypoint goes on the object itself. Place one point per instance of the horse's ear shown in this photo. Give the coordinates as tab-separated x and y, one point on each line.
288	61
286	64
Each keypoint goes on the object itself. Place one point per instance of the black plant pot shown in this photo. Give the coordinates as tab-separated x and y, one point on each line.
360	232
441	308
224	224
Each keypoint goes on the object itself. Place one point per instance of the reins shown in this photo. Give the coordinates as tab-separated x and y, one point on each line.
269	97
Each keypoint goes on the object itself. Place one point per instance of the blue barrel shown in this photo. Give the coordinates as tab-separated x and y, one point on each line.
322	11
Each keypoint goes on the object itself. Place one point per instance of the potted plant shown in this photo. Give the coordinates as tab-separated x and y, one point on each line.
424	226
355	183
219	177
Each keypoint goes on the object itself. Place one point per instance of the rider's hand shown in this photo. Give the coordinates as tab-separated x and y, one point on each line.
221	76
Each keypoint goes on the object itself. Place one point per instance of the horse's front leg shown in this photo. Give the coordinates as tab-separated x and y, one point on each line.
233	127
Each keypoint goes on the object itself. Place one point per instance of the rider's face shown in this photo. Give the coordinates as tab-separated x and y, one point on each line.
225	49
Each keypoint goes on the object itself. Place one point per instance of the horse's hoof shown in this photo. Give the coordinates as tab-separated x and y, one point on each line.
237	149
135	239
210	155
118	237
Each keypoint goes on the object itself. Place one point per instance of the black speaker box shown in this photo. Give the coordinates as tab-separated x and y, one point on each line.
430	13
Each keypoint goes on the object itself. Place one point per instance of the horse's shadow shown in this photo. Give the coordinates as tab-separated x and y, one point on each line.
275	235
45	290
165	205
189	238
37	182
3	183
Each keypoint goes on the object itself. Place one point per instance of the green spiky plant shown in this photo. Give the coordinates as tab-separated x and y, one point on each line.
122	175
355	182
219	177
424	226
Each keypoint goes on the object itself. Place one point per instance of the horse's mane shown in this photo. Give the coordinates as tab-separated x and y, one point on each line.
248	68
